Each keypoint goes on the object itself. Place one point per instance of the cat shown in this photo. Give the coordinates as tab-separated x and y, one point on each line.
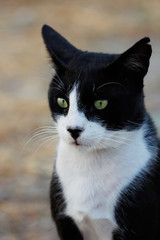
106	178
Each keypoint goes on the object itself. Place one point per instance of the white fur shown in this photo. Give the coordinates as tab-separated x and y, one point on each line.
93	134
94	173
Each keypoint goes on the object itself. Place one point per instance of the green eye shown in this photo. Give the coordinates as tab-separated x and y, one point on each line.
62	102
100	104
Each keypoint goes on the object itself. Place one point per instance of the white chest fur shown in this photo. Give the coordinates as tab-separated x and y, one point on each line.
92	181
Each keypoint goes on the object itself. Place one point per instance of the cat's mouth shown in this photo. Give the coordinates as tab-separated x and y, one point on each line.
80	145
76	143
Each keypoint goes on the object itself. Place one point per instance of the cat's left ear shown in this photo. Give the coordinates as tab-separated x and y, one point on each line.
60	50
136	58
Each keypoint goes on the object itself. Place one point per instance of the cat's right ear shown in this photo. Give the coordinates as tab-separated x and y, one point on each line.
60	50
136	59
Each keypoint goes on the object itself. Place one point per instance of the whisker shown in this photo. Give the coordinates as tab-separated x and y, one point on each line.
45	138
138	124
58	87
40	132
42	144
60	81
45	127
45	131
120	142
79	75
123	138
104	144
52	140
93	90
109	83
108	140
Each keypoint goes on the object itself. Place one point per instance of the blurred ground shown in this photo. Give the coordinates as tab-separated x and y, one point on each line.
110	26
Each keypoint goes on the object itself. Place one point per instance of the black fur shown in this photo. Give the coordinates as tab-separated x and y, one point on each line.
124	74
138	210
65	225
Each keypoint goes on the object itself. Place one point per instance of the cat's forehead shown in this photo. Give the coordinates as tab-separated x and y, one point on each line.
88	69
90	61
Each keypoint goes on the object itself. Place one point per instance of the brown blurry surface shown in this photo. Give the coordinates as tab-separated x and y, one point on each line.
24	77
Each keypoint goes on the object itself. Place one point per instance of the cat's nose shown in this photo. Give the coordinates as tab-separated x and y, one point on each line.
75	132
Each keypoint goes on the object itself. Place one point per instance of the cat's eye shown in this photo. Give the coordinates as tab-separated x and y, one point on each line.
100	104
62	102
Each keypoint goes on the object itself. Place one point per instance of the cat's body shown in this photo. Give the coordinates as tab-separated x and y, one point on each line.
106	182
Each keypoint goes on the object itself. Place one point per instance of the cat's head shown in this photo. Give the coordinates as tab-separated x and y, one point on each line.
95	97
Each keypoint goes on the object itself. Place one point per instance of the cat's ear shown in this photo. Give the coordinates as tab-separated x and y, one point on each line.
136	58
60	50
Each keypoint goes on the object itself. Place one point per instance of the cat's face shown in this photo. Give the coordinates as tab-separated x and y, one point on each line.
92	112
96	99
78	130
82	121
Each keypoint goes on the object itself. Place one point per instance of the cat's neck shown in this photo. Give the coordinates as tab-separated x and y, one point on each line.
113	168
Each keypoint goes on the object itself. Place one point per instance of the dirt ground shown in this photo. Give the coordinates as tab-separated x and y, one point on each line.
25	170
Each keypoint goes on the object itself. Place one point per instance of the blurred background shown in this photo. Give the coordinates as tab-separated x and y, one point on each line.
25	72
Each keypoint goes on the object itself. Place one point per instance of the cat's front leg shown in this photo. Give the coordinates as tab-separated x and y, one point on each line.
67	229
120	235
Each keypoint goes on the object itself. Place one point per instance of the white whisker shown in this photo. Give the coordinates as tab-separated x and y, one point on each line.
138	124
60	81
45	138
41	133
58	87
45	131
42	144
38	134
109	83
121	142
123	138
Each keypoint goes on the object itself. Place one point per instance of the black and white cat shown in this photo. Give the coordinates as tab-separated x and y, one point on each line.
106	180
